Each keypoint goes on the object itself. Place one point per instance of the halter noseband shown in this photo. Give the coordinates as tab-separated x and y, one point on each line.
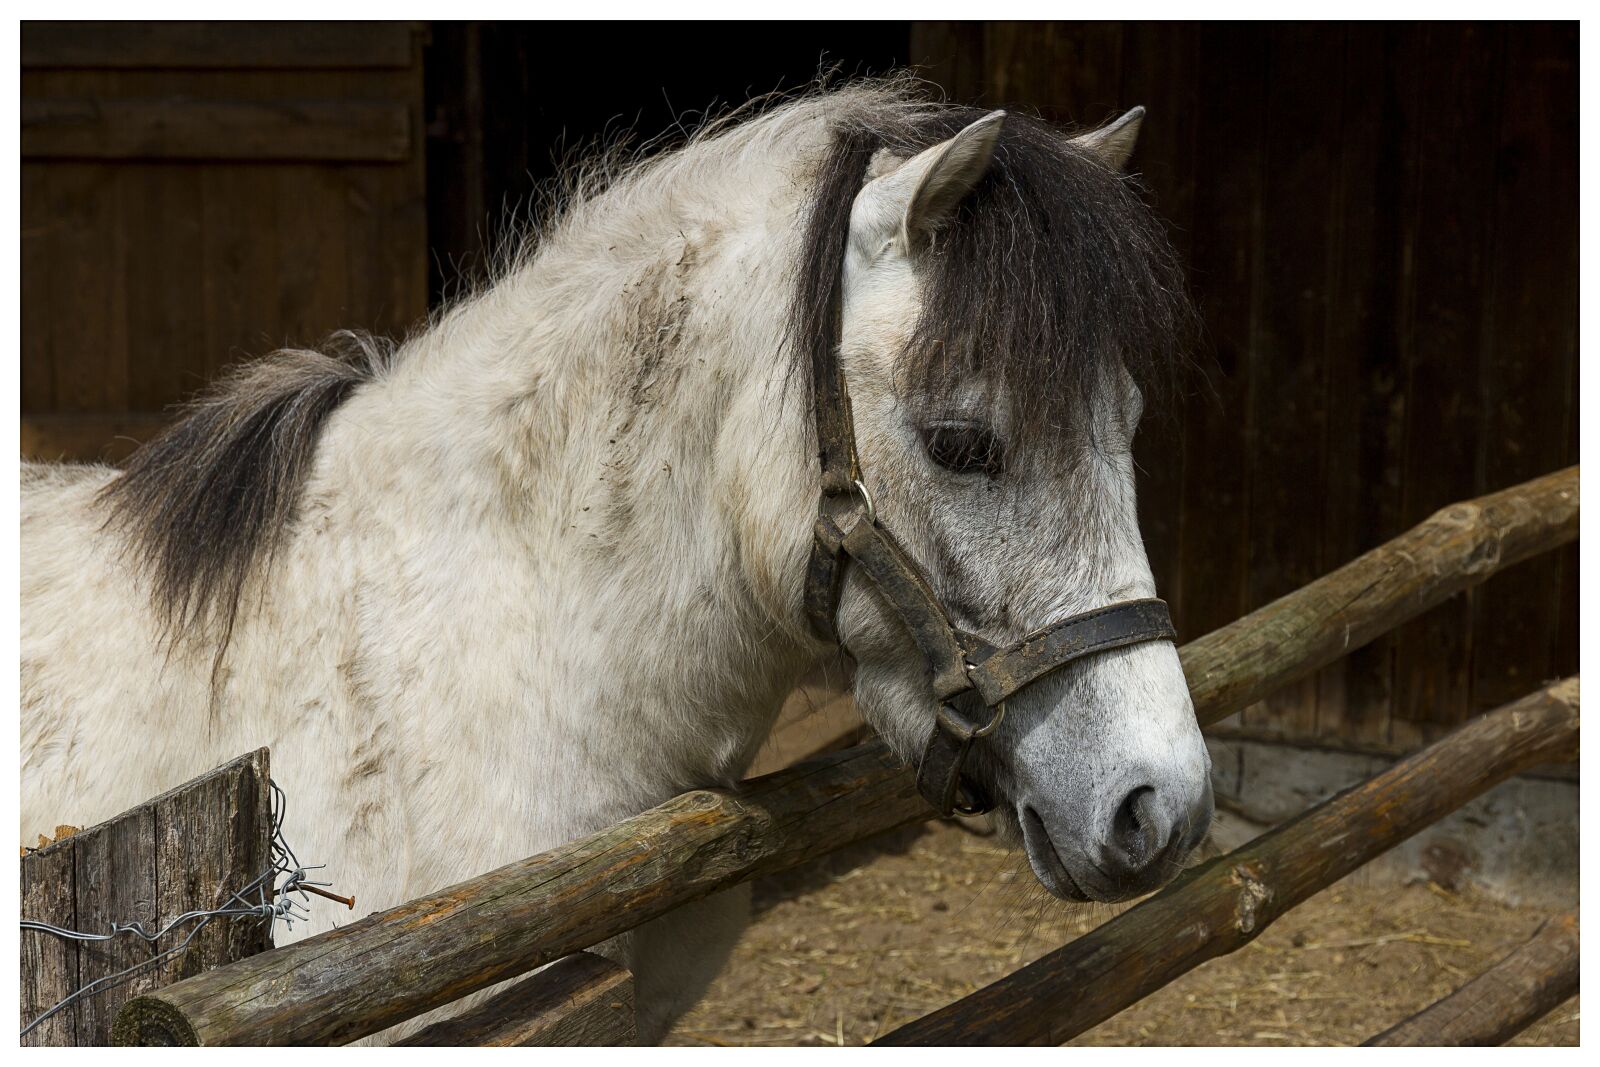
970	676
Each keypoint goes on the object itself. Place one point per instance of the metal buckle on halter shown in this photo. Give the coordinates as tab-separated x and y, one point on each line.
842	505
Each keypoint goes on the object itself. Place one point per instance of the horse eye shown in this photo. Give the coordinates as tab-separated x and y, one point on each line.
964	449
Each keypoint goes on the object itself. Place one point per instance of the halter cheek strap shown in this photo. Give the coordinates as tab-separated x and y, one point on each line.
971	678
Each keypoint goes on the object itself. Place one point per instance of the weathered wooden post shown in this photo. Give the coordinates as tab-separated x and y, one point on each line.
189	849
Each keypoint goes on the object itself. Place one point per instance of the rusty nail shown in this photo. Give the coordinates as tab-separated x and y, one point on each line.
349	902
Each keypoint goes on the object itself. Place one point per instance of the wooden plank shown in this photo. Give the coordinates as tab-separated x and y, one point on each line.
182	128
185	850
813	716
1224	905
1222	731
1288	358
211	840
385	212
160	212
225	45
1458	68
1518	991
1227	251
116	882
49	964
583	999
1531	336
1160	70
1070	73
311	290
385	265
38	241
84	337
1365	414
88	438
950	54
363	978
455	180
242	241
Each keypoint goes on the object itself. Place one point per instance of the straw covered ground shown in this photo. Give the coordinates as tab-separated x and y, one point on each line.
871	937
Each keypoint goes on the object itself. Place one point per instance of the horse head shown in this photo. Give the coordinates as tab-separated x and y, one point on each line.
1005	295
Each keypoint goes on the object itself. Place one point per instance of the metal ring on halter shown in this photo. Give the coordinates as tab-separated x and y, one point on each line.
866	498
957	728
994	723
979	805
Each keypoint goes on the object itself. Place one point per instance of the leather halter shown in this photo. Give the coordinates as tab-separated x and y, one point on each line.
970	676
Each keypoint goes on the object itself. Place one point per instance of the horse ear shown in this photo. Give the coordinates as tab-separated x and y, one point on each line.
1114	141
914	199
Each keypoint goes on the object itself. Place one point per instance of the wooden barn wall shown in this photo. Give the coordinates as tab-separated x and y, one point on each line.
194	194
1380	224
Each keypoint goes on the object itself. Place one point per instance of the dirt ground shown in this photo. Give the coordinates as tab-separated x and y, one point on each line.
872	937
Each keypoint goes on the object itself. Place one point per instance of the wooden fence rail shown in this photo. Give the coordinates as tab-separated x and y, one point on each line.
366	977
1299	634
1505	1000
1223	905
581	1000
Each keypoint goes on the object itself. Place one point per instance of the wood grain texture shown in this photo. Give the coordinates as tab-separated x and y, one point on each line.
1503	1001
49	964
90	437
1227	258
1361	491
213	837
1222	906
116	882
1449	165
1160	70
1288	357
234	45
180	128
365	977
583	999
1532	331
185	850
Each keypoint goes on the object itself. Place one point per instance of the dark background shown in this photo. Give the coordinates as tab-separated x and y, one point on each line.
1379	222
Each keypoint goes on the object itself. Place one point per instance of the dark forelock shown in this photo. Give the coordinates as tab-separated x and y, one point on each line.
1050	272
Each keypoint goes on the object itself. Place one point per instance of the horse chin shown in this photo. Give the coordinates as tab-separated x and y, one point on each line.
1046	861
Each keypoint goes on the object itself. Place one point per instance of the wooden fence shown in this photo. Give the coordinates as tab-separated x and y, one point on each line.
363	978
190	849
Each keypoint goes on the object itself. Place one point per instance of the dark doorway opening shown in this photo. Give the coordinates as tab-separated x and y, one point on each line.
505	101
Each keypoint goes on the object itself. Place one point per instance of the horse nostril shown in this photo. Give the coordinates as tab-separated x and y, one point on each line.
1138	829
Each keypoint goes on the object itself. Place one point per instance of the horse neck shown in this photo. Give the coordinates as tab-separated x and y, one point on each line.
597	462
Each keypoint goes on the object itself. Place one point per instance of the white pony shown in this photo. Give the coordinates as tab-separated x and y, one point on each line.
541	567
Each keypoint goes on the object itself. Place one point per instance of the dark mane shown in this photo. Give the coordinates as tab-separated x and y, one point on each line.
1052	270
202	503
